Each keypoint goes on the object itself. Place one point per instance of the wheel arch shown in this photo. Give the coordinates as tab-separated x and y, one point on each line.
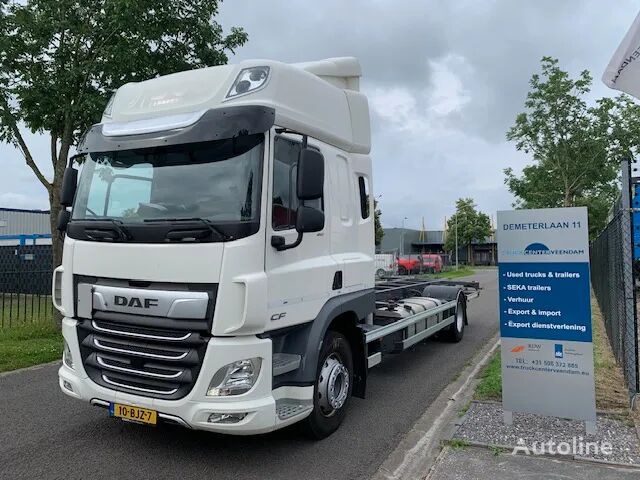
341	313
447	293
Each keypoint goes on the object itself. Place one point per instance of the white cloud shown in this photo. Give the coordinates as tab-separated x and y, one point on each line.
447	94
19	200
19	187
433	159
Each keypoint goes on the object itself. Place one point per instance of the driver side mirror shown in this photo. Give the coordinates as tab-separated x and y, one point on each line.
69	185
310	182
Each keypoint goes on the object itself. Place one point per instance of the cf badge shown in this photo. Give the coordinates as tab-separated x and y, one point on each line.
278	316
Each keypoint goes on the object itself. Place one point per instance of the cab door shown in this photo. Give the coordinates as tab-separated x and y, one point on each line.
299	279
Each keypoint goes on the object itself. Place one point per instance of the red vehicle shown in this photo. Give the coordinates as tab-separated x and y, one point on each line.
419	263
408	264
431	263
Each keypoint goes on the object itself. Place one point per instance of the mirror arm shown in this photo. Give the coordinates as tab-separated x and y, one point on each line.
293	132
279	244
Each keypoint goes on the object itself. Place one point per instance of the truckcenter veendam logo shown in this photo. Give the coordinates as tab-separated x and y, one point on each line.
542	249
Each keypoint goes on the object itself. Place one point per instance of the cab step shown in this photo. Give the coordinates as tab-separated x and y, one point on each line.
291	408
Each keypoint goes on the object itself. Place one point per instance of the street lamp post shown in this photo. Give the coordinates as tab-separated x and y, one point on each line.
456	242
402	237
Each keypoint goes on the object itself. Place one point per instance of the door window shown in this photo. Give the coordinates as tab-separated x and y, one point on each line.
285	170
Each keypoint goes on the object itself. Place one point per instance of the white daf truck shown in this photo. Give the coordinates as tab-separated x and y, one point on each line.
218	267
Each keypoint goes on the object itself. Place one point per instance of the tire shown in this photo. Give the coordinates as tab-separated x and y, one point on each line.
455	332
402	270
334	368
381	273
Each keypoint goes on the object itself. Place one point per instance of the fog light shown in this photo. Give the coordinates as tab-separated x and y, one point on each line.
225	417
67	385
67	358
235	378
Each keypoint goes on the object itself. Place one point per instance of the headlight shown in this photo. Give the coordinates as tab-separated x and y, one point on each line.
249	80
235	378
67	358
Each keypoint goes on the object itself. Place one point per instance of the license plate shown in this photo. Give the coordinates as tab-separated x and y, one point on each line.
134	414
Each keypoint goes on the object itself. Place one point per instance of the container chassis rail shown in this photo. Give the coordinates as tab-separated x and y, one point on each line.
403	333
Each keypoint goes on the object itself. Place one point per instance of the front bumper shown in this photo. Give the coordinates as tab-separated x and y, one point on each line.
260	403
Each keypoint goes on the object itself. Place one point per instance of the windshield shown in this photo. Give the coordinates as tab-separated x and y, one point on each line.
219	181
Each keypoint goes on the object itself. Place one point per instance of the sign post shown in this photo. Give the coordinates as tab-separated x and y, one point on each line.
545	314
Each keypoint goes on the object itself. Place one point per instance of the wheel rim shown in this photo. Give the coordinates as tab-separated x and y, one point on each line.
333	385
459	317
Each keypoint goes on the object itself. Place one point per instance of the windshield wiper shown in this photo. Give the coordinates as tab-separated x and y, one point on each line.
123	232
208	223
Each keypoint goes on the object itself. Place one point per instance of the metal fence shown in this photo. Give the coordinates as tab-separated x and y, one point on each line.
25	284
612	278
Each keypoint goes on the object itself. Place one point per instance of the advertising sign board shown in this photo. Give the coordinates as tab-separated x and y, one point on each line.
545	313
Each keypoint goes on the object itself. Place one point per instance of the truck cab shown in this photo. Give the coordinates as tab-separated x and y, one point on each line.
219	249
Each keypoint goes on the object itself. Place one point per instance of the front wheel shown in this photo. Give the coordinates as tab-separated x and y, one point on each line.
334	381
402	270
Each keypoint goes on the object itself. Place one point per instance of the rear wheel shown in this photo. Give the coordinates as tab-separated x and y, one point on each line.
334	381
402	270
455	332
380	273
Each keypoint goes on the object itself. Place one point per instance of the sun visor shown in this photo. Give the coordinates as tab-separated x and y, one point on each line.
214	124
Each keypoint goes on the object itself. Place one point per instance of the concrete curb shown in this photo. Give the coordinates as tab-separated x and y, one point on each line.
28	369
421	446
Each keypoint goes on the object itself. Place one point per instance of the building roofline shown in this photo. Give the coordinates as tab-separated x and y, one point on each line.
24	210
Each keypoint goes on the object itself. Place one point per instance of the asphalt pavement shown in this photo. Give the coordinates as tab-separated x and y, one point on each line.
45	434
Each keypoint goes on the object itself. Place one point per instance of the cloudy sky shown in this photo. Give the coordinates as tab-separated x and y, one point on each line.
445	80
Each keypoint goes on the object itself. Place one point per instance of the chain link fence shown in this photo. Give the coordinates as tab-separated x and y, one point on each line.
25	284
612	278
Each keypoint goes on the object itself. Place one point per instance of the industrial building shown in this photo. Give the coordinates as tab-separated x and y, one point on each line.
408	241
24	227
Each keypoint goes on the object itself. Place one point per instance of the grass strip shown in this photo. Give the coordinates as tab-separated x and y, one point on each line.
29	344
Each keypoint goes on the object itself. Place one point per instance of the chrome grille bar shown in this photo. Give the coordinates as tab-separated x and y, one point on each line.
101	361
139	335
139	389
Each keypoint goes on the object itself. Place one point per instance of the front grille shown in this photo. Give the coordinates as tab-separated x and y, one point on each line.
153	362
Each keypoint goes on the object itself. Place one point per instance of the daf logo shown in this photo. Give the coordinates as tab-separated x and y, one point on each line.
136	302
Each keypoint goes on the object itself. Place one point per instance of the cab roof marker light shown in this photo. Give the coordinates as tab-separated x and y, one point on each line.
249	80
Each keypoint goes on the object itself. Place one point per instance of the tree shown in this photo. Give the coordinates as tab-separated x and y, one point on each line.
575	149
60	61
470	225
379	231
